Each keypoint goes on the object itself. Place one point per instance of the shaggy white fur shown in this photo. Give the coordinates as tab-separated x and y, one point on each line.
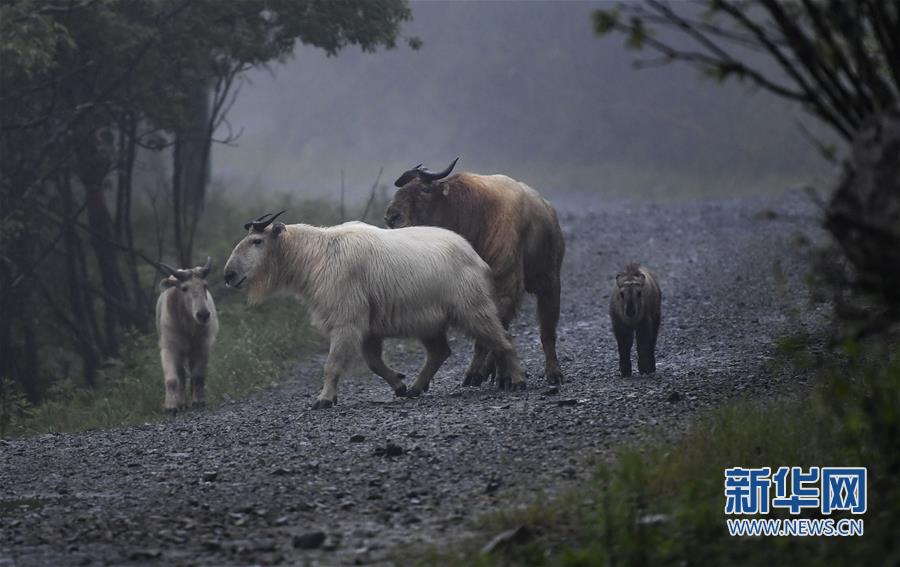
187	324
363	284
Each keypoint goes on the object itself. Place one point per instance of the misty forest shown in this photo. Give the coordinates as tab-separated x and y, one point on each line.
611	249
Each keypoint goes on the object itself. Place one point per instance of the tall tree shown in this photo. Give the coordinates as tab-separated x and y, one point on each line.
83	86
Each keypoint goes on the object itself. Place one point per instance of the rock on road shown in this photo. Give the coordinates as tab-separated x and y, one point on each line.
267	480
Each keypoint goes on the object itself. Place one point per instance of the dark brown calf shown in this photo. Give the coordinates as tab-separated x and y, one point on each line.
635	310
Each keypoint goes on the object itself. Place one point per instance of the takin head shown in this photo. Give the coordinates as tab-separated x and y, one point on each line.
192	289
630	289
250	253
416	200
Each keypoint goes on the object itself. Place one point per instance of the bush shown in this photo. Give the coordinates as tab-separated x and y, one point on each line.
862	268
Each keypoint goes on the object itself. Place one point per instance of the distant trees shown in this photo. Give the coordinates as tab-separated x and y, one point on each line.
85	86
841	61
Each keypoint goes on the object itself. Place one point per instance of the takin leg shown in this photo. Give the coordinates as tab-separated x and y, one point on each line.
182	385
490	368
624	338
655	333
345	343
487	367
172	370
485	327
475	374
198	378
646	344
653	340
548	318
372	350
438	350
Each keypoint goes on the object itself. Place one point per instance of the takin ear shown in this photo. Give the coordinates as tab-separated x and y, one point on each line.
278	228
445	189
168	282
620	280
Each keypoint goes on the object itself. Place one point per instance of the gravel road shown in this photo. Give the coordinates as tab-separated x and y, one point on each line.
268	481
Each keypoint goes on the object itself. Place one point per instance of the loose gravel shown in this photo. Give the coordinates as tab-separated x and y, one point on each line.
267	480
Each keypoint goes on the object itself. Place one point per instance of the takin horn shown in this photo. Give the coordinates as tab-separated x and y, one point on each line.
424	174
262	222
180	275
204	271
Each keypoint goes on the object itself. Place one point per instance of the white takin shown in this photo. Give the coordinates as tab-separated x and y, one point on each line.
363	284
187	323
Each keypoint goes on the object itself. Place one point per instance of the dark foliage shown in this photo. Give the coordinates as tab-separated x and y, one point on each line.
86	88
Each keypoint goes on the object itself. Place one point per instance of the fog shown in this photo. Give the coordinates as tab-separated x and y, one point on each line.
525	89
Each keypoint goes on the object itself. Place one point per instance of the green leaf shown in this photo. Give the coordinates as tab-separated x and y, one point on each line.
637	34
605	21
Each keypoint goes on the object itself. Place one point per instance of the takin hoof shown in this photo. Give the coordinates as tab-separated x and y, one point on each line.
198	405
508	384
323	404
554	377
171	412
414	391
400	391
473	379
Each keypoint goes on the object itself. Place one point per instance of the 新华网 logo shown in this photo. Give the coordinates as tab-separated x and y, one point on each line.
756	491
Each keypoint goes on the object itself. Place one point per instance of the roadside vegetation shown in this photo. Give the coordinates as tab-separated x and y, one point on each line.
662	503
254	347
108	113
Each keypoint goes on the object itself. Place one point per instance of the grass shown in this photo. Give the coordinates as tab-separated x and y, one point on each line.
251	353
662	503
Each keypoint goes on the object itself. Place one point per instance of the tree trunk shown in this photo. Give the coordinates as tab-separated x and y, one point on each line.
94	158
191	173
178	202
28	374
89	356
124	228
864	212
88	301
7	354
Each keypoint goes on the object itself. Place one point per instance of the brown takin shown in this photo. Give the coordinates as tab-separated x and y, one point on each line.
187	324
635	310
510	226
